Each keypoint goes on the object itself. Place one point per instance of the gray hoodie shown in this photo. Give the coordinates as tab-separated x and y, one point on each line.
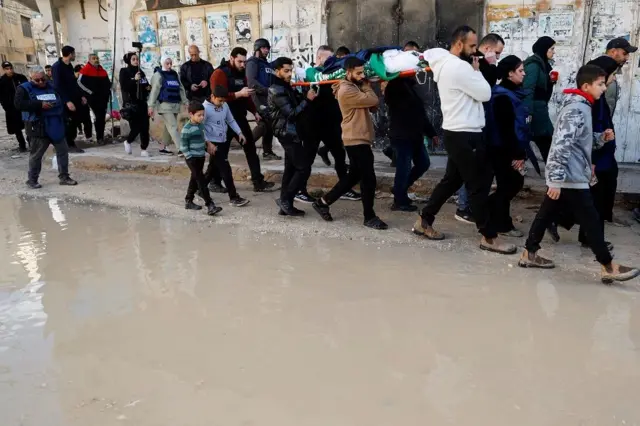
216	122
569	162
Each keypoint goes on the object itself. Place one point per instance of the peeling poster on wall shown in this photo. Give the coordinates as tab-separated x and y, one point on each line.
146	32
559	26
193	31
168	20
243	28
218	25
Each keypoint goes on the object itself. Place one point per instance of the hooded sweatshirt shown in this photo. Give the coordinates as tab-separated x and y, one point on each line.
462	91
216	122
569	162
355	102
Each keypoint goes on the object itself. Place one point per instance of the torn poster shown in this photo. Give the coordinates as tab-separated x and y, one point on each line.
169	37
559	26
168	20
243	28
194	31
218	25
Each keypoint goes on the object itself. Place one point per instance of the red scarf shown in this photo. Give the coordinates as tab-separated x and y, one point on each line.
91	71
579	92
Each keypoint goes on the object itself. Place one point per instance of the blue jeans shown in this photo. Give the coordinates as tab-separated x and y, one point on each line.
406	152
463	198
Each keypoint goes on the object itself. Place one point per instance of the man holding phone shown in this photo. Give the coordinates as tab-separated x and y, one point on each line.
43	114
195	75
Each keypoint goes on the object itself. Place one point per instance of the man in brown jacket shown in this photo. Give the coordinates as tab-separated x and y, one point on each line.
355	97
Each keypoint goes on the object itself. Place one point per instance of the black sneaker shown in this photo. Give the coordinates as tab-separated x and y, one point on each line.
33	184
165	151
305	198
212	209
270	156
410	208
376	223
465	216
76	150
219	189
351	196
287	209
323	153
67	181
22	149
263	186
238	202
323	210
190	205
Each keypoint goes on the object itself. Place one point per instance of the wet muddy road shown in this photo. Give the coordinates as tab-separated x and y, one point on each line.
114	318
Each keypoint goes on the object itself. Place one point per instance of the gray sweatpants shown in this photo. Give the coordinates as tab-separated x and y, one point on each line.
39	147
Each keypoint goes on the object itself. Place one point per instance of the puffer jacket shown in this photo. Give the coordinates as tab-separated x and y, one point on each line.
286	108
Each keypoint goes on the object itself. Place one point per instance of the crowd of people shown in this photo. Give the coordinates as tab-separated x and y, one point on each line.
492	108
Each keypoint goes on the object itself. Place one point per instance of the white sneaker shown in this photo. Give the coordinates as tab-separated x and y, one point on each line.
144	153
127	148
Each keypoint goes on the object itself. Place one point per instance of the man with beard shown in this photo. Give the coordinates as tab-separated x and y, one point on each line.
259	73
619	50
94	81
231	75
463	89
9	82
195	75
65	83
356	98
322	123
286	107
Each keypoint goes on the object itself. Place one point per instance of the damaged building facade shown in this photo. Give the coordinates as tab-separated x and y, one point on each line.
296	28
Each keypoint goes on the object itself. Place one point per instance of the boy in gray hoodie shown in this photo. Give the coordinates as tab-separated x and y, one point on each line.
217	120
569	173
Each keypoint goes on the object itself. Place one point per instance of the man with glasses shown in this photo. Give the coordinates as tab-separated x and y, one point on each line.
9	82
43	114
195	75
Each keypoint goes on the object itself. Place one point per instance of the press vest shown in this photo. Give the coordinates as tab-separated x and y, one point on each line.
53	118
170	90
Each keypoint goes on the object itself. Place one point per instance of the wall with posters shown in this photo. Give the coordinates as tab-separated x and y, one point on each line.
582	31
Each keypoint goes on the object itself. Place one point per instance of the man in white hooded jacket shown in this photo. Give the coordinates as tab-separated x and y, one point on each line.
462	90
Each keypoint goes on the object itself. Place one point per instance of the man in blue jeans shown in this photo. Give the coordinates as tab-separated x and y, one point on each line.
408	125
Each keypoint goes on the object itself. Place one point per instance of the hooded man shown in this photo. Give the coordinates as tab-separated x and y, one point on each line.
259	78
94	82
231	75
9	83
463	89
195	75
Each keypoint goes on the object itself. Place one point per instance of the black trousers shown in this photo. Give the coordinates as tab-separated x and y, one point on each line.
263	130
249	149
361	170
197	181
72	119
21	142
221	164
82	120
330	133
140	126
578	203
467	163
509	182
604	197
296	168
99	109
544	145
39	146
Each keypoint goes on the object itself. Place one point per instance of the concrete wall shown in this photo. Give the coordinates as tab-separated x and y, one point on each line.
13	44
88	33
581	31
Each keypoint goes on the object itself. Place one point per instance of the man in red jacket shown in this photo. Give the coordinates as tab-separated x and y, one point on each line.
94	82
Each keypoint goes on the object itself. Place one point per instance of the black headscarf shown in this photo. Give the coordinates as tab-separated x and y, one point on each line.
127	58
608	65
541	47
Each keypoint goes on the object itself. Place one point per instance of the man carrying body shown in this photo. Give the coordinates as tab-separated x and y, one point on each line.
356	98
259	73
9	83
43	114
195	75
463	89
94	81
231	75
65	83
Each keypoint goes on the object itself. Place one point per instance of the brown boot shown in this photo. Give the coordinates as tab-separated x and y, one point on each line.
421	227
493	245
614	272
532	260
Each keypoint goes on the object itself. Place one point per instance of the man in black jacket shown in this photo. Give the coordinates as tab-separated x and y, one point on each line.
407	128
65	83
195	75
9	82
94	81
286	107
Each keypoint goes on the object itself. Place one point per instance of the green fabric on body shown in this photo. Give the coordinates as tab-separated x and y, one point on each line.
192	143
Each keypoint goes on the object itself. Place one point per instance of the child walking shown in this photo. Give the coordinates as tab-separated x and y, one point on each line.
568	174
192	145
217	120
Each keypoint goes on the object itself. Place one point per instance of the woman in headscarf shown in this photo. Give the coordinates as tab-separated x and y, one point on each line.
603	157
539	87
135	90
508	134
167	96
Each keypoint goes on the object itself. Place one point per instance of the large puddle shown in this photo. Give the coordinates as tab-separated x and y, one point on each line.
109	318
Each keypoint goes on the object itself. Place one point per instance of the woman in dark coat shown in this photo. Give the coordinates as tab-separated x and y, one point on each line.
9	82
539	87
135	91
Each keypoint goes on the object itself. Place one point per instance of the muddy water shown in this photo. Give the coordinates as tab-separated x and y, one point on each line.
109	318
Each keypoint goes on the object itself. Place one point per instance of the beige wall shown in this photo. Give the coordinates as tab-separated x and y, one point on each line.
13	45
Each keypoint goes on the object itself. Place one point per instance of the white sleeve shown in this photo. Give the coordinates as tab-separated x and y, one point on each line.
473	84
